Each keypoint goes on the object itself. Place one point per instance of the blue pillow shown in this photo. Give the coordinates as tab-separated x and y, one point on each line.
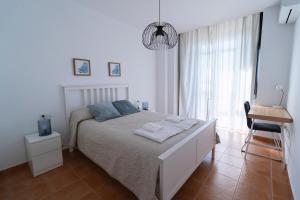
125	107
103	111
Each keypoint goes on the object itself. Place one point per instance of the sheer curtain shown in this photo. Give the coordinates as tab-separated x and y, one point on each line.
217	65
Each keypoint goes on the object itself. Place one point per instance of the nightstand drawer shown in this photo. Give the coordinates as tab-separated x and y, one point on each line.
45	146
46	161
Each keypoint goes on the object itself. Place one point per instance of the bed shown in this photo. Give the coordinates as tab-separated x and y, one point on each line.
149	169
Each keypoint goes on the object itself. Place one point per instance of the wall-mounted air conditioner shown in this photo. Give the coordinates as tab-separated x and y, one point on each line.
289	11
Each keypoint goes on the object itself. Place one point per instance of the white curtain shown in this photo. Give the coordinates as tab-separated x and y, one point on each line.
217	65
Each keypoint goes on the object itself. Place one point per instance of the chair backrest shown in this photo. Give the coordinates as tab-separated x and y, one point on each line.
247	109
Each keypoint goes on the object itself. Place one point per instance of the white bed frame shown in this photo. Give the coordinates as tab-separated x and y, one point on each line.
178	162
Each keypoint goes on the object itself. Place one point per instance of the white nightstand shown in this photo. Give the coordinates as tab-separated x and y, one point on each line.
43	152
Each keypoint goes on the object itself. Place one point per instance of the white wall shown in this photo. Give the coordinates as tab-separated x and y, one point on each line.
294	109
38	40
275	58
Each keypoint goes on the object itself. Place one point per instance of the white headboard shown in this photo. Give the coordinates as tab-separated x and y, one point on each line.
77	96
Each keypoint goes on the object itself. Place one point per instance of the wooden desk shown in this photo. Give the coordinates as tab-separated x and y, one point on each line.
272	114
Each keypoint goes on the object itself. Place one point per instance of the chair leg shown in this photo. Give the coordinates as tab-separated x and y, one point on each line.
276	142
248	139
247	146
242	149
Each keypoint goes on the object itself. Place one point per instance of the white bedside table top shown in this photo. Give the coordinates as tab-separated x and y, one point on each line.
33	138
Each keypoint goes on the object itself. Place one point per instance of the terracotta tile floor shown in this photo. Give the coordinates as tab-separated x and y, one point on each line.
229	176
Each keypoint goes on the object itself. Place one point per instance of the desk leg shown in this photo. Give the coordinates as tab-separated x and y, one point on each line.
283	147
213	153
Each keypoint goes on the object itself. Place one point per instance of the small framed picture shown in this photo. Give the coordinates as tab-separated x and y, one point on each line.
114	69
81	67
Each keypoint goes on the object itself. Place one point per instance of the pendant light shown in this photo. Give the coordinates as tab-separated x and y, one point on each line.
159	35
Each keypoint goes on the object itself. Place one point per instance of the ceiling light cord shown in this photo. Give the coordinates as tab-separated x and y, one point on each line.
159	35
158	12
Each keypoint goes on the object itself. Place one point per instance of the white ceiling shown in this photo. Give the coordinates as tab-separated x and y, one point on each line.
184	15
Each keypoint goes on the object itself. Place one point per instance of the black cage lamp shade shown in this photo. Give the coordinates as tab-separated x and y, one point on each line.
159	35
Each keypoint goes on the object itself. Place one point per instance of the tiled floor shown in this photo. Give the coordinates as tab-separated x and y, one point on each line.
229	176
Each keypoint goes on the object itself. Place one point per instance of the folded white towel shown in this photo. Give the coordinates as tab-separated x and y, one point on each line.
159	136
186	124
152	127
175	119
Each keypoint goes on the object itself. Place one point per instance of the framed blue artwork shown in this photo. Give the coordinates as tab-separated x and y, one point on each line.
81	67
114	69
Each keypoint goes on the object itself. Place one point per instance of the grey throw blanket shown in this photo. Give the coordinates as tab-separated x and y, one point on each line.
129	158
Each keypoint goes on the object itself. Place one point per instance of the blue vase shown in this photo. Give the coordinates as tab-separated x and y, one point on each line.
44	126
145	105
